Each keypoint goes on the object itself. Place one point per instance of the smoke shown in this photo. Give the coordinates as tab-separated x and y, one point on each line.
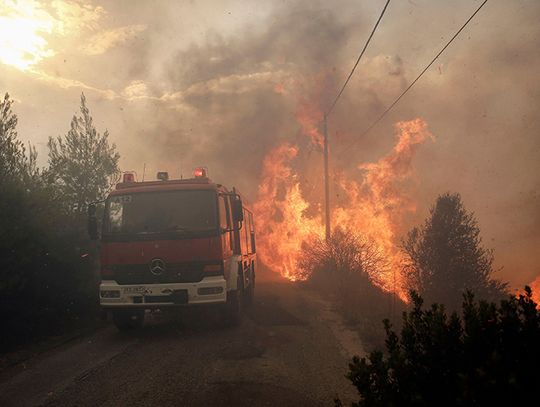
233	98
222	85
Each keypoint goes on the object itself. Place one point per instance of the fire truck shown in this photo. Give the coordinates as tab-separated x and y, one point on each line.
174	243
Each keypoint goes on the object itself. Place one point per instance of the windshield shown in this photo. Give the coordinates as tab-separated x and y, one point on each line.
161	212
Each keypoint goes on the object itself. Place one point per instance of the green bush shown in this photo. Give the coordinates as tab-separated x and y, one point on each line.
487	357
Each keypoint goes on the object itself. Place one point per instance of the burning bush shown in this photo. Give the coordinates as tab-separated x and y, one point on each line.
488	357
345	266
342	254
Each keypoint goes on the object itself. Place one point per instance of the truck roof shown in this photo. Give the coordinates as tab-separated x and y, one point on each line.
170	185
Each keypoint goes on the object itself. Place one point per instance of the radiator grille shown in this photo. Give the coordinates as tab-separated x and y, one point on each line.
174	273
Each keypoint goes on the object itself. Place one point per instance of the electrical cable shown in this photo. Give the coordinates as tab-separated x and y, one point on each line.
358	59
423	71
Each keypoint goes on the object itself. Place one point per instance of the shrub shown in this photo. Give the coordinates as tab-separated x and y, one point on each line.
344	267
44	280
46	277
489	356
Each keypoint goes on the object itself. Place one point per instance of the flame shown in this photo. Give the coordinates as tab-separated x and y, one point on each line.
309	116
376	202
282	225
535	286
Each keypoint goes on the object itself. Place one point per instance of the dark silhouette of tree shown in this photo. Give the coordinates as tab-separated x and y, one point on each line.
83	164
489	357
46	275
15	163
446	257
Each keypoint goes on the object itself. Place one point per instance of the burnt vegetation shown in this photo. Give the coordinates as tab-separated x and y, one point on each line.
47	270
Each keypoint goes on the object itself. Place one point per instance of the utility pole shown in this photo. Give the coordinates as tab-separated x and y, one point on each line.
326	182
327	113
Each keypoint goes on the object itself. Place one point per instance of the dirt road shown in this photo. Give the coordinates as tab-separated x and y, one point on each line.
291	349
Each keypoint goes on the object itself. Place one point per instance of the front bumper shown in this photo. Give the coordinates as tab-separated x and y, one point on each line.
211	290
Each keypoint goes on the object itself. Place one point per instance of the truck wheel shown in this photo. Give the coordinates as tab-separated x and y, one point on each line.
128	320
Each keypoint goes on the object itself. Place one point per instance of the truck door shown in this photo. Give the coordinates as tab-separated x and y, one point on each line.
227	238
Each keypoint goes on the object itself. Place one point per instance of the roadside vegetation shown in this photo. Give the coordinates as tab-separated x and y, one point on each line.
487	356
47	279
464	349
342	269
446	257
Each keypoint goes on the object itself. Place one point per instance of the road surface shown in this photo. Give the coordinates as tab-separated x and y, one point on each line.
291	349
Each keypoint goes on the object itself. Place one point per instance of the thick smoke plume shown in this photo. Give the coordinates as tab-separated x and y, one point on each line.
223	85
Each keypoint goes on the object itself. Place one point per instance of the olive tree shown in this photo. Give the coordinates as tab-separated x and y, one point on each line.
15	163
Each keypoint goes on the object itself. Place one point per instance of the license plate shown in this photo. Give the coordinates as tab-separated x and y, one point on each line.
135	290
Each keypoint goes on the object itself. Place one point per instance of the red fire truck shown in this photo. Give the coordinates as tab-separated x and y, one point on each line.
170	243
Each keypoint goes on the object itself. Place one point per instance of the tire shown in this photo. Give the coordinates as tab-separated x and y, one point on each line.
126	320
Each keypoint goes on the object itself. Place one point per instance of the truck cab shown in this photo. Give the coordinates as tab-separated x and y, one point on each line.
174	243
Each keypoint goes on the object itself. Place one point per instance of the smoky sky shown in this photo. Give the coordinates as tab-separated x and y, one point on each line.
220	84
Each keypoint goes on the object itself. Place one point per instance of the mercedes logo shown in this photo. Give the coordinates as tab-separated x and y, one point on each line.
157	267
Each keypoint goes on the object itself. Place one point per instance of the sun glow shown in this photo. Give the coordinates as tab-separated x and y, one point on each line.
23	29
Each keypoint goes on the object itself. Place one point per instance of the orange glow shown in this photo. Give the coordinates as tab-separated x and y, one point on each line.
535	286
279	88
282	226
309	117
375	203
379	203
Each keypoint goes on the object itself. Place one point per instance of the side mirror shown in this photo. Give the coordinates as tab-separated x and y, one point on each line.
92	222
238	209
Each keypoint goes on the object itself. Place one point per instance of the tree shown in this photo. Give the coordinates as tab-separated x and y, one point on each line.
446	257
83	164
45	280
489	357
15	164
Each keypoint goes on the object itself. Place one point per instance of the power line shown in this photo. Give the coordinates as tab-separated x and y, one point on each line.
358	60
423	71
